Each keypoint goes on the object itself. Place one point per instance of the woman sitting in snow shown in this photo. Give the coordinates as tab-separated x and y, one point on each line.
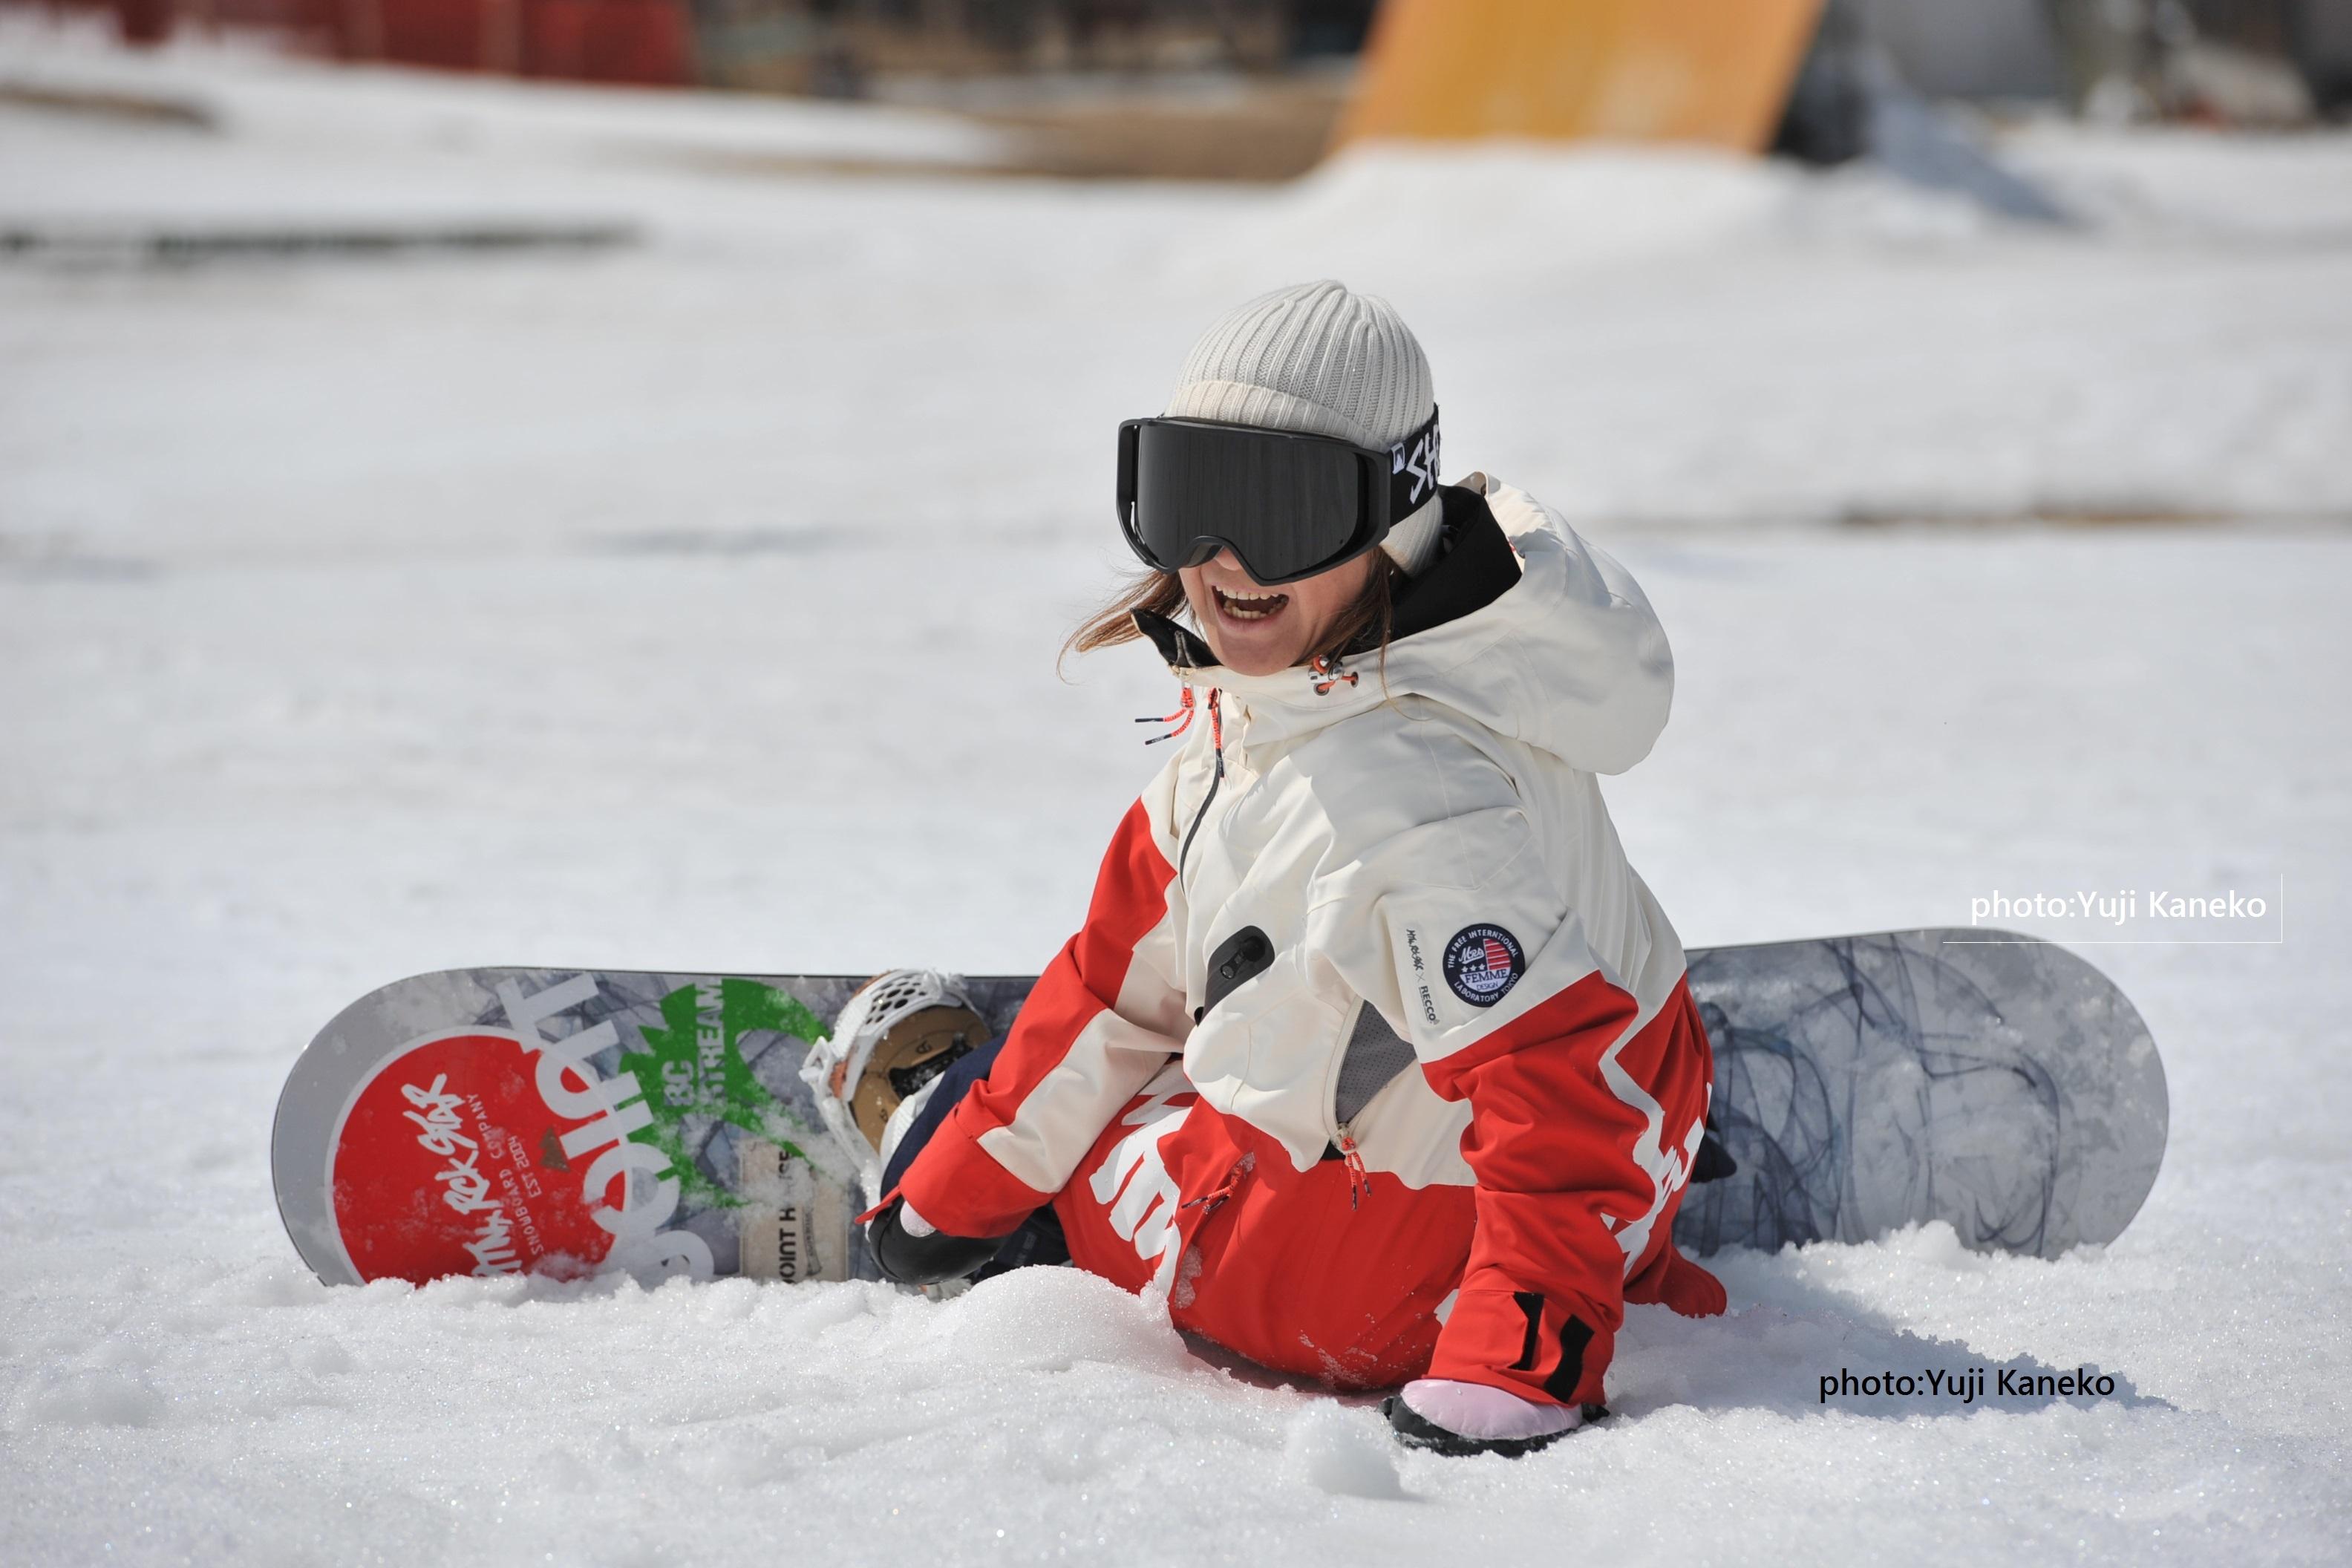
1373	1058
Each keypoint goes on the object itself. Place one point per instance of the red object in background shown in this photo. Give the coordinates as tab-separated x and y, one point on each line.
450	34
143	22
648	43
643	41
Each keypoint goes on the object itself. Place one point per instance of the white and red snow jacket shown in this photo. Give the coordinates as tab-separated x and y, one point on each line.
1440	1079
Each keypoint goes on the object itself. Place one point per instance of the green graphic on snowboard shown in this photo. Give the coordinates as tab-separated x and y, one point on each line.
693	1069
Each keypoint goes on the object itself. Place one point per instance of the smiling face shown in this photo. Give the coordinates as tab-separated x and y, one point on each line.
1257	631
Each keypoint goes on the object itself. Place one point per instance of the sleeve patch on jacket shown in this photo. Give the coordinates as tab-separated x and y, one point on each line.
1481	963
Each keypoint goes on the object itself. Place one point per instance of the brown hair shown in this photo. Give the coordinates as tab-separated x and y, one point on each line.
1364	623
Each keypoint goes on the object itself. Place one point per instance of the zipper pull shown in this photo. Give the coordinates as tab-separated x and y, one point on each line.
1359	1179
1215	1199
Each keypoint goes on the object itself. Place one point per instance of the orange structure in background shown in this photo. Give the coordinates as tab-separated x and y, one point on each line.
1711	72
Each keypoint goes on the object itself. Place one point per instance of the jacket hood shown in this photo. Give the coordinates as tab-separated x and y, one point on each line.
1570	659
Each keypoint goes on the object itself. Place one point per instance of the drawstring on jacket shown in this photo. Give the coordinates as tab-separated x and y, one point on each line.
1180	720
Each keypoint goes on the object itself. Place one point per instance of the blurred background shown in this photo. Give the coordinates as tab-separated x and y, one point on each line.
1257	89
607	481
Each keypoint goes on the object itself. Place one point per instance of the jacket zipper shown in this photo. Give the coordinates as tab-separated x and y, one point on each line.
1216	740
1359	1176
1343	1136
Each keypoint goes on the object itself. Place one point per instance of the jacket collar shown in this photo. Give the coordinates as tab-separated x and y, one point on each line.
1477	569
1181	649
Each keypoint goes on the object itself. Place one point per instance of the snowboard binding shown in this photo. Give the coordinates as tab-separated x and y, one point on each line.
893	1040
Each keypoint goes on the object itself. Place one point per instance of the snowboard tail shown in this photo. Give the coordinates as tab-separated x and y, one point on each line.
1994	1082
515	1120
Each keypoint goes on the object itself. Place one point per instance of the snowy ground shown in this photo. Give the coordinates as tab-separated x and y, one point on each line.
694	605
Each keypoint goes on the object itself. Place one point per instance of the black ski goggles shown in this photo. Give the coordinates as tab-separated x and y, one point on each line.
1286	505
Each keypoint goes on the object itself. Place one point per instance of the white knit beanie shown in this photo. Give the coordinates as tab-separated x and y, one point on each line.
1318	358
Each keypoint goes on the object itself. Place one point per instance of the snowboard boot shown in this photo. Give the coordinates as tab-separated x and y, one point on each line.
893	1039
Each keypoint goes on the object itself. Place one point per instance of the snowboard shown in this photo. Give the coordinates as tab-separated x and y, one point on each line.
491	1121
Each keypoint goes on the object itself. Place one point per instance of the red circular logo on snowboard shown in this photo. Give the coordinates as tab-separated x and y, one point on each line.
451	1162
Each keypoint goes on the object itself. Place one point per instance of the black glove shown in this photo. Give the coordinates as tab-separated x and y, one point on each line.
927	1259
1713	1162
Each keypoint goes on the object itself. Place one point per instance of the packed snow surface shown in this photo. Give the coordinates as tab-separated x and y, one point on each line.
694	605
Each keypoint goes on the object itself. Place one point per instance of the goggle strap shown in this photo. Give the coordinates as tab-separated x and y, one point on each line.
1412	469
